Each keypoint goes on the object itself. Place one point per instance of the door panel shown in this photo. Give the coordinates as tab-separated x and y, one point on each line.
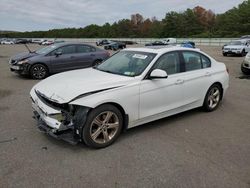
84	60
195	85
197	77
86	56
160	95
66	61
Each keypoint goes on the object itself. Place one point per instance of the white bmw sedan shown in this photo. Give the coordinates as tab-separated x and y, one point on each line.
133	87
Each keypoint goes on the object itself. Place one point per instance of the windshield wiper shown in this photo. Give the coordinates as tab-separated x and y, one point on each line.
108	71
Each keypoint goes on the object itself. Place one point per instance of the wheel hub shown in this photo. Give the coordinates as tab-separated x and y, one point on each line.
214	97
104	127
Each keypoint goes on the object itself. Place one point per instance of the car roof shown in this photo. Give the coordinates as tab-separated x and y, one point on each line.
71	43
160	50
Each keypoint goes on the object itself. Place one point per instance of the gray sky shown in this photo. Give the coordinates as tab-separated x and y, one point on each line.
28	15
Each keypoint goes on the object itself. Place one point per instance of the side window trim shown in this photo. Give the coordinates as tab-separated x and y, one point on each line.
210	63
92	49
153	66
182	62
50	54
200	55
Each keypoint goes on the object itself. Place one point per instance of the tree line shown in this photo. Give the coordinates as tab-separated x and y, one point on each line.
196	22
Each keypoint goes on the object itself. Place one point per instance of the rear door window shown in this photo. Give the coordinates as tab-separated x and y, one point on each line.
206	63
192	61
85	49
71	49
195	61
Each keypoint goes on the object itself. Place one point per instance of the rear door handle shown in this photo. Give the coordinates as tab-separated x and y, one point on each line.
179	81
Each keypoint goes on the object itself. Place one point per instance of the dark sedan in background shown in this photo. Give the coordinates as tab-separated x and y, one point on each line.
156	43
115	46
103	42
57	58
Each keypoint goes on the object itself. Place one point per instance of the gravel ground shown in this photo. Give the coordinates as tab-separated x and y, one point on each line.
192	149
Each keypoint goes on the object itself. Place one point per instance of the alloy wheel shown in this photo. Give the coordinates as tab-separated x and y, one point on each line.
104	127
214	97
39	72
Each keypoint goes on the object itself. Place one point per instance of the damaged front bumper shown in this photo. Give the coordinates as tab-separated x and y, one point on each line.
55	122
67	135
20	69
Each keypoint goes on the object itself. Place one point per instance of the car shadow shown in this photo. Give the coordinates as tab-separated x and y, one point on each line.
22	77
160	123
65	145
244	77
128	133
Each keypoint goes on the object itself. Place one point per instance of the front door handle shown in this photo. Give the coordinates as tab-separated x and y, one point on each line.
179	81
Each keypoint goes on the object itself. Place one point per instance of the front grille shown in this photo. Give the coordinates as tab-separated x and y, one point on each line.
50	103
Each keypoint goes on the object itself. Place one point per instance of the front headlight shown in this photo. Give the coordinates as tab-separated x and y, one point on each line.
23	62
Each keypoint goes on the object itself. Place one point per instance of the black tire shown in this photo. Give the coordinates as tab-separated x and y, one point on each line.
245	70
224	54
39	71
207	106
90	125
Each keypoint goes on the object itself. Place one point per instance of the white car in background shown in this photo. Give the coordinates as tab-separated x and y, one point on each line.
133	87
237	47
7	42
245	66
37	41
48	42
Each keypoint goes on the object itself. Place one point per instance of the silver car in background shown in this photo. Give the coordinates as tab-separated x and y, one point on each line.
245	66
237	47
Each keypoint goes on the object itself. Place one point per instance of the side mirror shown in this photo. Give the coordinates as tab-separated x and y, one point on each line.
58	53
158	74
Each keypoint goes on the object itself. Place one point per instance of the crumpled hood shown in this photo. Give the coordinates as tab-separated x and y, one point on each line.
22	56
66	86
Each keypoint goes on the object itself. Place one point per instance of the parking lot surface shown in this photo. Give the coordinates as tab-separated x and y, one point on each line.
189	150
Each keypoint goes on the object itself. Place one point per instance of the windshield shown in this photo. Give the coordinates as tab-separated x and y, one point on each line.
236	43
127	63
47	49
